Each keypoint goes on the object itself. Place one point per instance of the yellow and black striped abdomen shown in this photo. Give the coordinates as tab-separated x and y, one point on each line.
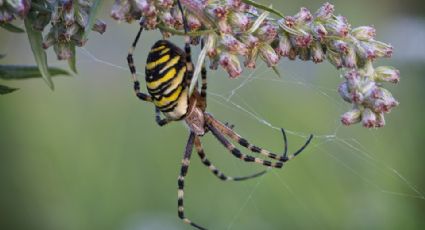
165	79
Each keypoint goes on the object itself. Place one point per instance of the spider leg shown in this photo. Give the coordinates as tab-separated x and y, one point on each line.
237	153
225	129
140	95
180	181
203	102
189	64
159	120
217	172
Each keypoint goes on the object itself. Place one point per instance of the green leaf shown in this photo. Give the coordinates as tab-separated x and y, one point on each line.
92	18
18	72
72	61
276	71
263	7
5	89
36	39
11	28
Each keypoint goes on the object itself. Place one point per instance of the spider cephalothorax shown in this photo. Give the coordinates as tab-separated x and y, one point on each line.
169	71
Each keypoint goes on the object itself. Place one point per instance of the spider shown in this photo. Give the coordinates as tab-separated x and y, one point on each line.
169	71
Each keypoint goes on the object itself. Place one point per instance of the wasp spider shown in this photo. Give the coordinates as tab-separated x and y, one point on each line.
169	71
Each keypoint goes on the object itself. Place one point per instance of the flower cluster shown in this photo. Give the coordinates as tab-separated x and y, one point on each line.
236	30
9	9
69	20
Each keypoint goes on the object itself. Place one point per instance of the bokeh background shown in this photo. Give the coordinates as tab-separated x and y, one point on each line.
90	156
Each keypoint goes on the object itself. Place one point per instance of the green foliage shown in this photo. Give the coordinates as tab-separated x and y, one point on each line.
17	72
36	39
11	28
92	17
5	89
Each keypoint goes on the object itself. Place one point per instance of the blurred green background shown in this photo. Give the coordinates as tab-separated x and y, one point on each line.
90	156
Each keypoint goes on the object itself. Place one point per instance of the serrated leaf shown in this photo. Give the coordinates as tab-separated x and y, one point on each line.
18	72
263	7
35	38
92	18
5	89
72	62
11	28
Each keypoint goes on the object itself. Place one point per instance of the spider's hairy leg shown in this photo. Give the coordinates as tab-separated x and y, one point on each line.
189	64
203	101
217	172
244	142
159	120
180	181
237	153
140	95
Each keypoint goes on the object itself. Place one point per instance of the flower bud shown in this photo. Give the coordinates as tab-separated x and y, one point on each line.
251	58
167	18
303	16
303	40
382	100
239	20
351	117
20	7
5	16
325	12
212	50
68	14
338	26
365	51
293	52
350	58
344	91
319	31
231	64
380	120
387	74
193	23
268	54
70	31
368	118
82	18
224	26
284	45
364	33
339	46
249	40
99	26
62	51
233	45
317	53
266	32
304	53
178	19
334	58
382	49
164	4
353	79
43	19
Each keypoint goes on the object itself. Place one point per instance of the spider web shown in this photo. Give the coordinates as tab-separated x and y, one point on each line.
351	147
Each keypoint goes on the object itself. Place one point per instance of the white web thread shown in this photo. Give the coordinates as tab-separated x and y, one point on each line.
352	144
